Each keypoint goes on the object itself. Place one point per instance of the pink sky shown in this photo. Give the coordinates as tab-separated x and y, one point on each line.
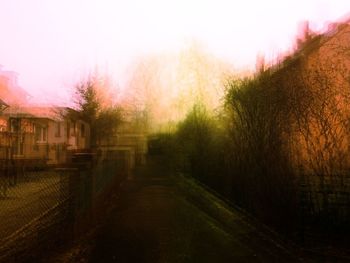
52	44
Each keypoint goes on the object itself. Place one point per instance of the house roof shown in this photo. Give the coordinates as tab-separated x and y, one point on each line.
45	112
3	104
312	44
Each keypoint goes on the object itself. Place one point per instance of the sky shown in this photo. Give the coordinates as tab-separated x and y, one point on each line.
52	44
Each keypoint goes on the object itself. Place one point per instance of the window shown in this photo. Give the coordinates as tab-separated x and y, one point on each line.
3	125
15	125
44	129
26	126
58	129
82	130
68	129
37	129
40	133
73	128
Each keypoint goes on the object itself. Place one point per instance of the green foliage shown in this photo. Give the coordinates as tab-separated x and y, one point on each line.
87	101
195	131
241	152
273	126
107	122
103	121
196	148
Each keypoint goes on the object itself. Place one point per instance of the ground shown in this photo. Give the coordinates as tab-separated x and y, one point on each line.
27	200
162	217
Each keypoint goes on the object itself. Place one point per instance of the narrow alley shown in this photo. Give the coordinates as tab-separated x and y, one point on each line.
160	217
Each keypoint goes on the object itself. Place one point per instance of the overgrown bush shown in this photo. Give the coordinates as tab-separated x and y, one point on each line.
201	147
261	173
274	134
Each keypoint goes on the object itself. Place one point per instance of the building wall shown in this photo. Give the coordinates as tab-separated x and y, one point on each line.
320	75
52	145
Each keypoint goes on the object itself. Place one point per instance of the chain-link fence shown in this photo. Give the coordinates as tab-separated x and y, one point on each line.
324	208
43	207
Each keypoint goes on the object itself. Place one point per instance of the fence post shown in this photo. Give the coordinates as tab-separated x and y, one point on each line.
82	186
69	180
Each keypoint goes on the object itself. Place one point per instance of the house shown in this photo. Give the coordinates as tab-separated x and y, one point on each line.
129	142
315	79
128	135
47	133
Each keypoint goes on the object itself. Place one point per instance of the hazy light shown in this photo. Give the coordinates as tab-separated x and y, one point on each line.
51	44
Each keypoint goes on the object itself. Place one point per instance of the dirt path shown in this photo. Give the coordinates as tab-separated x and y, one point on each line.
157	218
